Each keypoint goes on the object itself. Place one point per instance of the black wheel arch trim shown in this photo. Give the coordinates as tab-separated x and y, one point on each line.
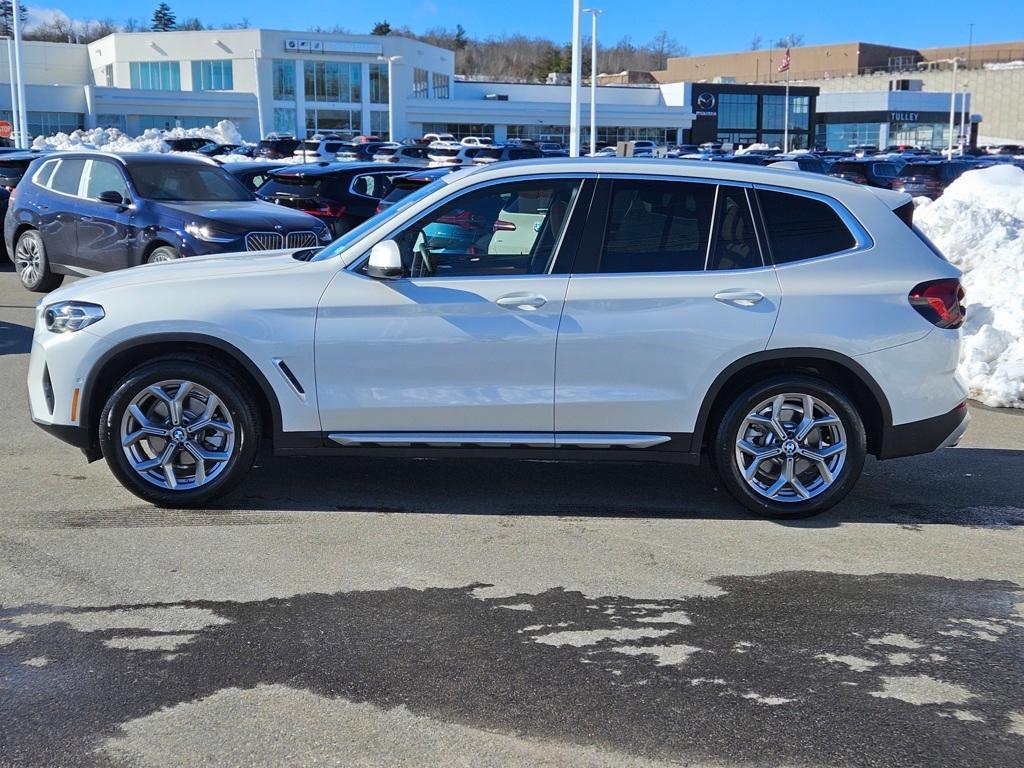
89	394
780	355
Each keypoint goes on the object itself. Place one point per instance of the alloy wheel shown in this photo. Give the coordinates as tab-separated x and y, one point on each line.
177	435
791	447
28	260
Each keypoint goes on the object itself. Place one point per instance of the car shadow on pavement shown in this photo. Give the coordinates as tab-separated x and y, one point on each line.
963	486
15	339
790	668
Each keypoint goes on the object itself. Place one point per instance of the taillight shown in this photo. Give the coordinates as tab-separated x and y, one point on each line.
326	210
940	302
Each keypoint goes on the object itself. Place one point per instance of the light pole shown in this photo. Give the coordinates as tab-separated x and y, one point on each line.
574	98
594	13
970	43
19	73
391	94
14	94
952	110
963	119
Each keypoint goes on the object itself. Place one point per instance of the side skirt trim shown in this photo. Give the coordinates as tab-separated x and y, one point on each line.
498	439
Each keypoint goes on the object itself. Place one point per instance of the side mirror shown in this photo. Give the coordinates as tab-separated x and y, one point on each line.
385	261
112	197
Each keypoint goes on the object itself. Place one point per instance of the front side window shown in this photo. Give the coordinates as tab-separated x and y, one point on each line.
105	177
167	182
802	227
503	229
657	226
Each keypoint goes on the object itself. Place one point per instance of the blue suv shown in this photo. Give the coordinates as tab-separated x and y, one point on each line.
82	213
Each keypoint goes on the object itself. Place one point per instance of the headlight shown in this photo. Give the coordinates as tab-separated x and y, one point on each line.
325	235
207	234
68	316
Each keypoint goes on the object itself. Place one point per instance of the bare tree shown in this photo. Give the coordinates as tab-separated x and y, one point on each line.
792	40
755	43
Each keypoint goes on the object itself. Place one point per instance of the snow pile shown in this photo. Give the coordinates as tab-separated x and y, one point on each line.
978	223
152	139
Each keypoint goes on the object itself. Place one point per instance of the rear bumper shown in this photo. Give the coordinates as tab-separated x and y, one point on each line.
926	435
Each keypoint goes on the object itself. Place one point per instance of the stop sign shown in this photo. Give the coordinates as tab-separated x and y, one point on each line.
5	129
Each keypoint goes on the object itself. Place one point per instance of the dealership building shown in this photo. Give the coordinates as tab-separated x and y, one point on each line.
303	83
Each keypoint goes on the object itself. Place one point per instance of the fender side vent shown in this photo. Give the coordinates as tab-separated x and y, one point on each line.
290	377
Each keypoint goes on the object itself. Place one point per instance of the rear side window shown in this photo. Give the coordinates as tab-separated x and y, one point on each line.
802	227
42	176
885	170
67	176
371	185
657	226
735	239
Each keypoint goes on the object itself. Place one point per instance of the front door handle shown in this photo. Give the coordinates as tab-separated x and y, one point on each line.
524	301
740	298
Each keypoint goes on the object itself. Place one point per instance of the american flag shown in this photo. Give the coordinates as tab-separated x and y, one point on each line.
784	66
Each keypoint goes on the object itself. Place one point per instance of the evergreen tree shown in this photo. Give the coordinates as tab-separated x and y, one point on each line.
7	17
461	40
163	19
381	28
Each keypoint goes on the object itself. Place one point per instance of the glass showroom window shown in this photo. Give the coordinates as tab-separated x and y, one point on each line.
557	133
799	112
214	75
342	121
166	122
50	123
461	130
737	110
112	121
284	79
442	90
333	81
420	83
378	83
156	75
379	124
284	120
773	113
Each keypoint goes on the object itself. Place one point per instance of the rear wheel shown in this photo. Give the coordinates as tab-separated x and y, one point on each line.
32	265
179	433
791	447
163	253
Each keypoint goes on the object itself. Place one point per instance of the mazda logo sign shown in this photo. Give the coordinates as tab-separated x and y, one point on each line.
706	101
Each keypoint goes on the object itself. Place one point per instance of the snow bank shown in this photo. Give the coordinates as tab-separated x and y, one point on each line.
152	139
978	223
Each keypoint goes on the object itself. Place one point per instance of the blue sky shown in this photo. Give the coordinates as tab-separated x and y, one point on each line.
937	22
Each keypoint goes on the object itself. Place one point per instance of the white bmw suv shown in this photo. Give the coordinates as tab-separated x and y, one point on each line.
782	325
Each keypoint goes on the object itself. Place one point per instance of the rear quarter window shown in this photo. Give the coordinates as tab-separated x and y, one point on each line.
801	228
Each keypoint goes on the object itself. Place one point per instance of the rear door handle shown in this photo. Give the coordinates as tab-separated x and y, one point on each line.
524	301
740	298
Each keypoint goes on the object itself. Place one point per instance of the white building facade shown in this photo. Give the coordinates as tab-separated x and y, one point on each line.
305	82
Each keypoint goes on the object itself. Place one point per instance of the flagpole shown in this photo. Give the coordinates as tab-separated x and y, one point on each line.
786	123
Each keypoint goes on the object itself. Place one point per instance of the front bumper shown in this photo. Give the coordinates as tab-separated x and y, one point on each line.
926	435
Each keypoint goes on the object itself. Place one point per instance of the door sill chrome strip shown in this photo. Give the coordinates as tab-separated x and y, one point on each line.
499	439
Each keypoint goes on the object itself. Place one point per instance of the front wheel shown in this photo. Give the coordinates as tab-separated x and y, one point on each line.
790	447
179	433
162	254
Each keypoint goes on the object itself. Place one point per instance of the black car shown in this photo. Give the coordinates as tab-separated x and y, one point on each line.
874	173
744	159
188	144
81	213
340	194
12	167
930	178
252	175
402	186
212	149
277	147
805	161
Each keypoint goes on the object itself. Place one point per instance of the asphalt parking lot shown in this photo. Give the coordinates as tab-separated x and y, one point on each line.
469	613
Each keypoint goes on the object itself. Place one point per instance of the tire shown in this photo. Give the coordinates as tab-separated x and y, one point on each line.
228	447
31	264
817	483
162	254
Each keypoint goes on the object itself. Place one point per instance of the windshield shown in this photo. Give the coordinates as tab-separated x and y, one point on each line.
345	241
191	182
